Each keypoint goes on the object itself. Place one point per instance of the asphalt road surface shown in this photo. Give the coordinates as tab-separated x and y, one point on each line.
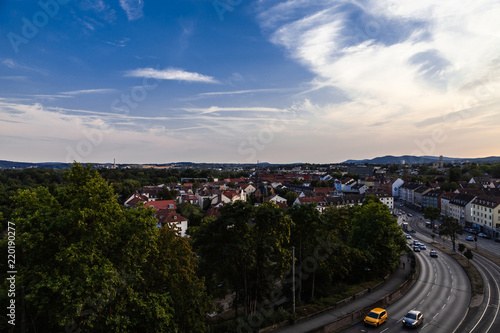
442	292
483	317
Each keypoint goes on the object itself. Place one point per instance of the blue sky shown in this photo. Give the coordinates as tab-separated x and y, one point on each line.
241	81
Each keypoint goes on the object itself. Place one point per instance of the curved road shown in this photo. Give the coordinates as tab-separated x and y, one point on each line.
441	292
483	317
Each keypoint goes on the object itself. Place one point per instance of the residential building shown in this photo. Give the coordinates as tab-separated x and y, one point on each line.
486	214
461	207
362	170
432	199
418	195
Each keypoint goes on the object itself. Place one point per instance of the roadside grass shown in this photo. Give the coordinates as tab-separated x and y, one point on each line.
476	281
320	304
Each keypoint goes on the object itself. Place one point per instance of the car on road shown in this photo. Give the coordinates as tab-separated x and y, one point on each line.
376	317
410	215
423	247
416	248
471	230
413	318
469	238
416	242
484	235
408	237
433	254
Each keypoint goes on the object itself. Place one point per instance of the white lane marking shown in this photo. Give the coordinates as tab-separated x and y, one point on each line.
444	306
487	305
421	302
437	314
494	305
428	293
384	330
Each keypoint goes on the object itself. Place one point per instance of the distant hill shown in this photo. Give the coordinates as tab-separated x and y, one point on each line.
410	159
24	165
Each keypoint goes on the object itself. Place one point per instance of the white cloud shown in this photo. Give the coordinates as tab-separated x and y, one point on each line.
213	109
88	91
239	92
397	62
170	74
133	8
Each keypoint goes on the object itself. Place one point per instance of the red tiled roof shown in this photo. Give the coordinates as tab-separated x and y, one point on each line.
161	204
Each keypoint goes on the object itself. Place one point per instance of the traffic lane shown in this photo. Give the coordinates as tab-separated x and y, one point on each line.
444	300
486	318
441	292
488	245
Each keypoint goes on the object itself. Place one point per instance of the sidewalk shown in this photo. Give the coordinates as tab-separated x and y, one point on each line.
395	280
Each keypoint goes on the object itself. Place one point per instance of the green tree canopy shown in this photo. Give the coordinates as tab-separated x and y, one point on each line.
450	228
89	264
376	233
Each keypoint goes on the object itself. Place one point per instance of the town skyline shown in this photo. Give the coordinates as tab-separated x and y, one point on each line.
246	81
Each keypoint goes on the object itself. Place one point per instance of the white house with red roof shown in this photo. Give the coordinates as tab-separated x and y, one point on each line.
172	219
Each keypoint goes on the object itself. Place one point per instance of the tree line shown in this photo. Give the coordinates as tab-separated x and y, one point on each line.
85	263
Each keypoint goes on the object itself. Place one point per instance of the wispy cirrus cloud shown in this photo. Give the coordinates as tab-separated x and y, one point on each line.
12	64
240	92
133	8
403	60
214	109
88	91
121	43
170	74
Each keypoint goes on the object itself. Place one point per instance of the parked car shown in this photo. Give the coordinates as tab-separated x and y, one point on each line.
471	230
469	238
376	317
433	254
423	247
413	318
497	240
484	235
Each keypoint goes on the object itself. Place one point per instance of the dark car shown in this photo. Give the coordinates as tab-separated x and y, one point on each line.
497	240
413	318
433	254
416	248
